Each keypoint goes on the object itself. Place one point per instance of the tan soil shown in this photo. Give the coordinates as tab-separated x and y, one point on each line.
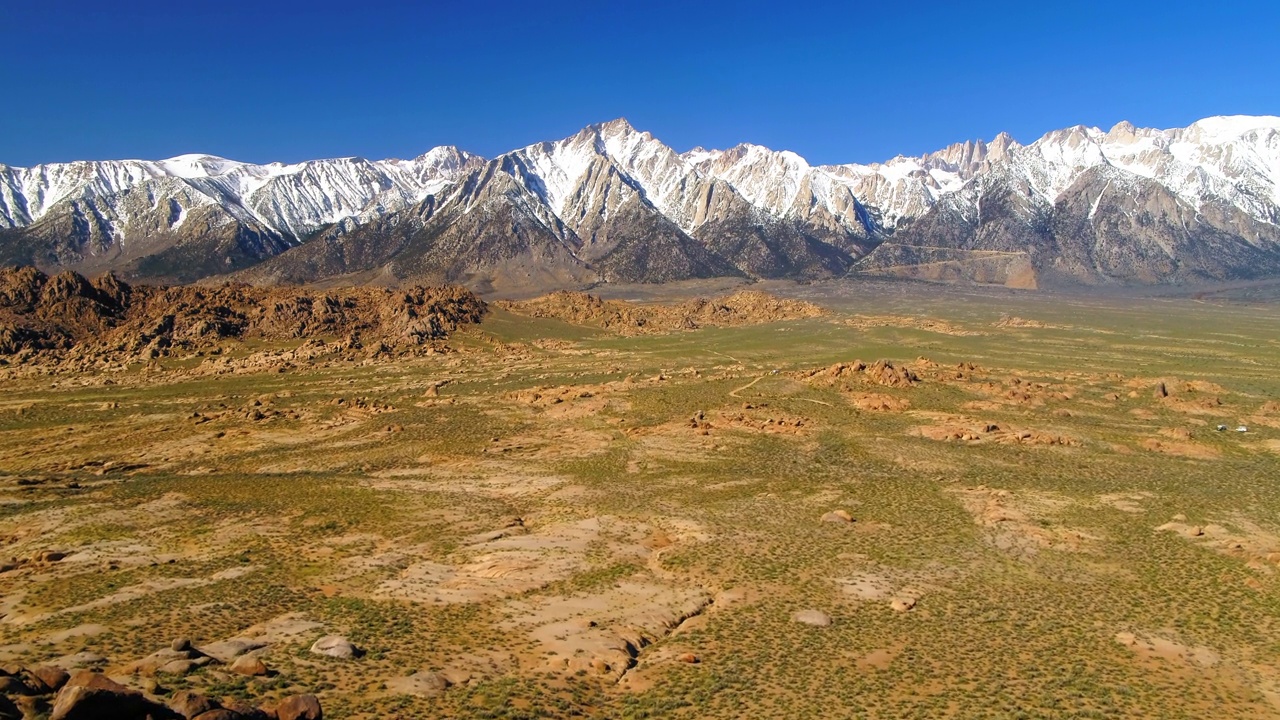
1187	449
1236	536
1021	523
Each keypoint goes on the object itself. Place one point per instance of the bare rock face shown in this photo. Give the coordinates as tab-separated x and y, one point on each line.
902	604
886	373
52	676
299	707
249	665
880	372
227	651
108	318
190	704
171	661
335	646
80	660
816	618
423	684
42	312
841	517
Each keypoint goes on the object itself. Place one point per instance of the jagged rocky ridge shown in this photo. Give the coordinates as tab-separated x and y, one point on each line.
614	204
106	319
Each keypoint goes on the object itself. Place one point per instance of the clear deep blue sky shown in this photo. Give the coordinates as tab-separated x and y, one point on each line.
269	80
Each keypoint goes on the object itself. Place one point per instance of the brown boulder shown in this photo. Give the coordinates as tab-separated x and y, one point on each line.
228	650
52	676
93	696
219	714
422	684
16	685
33	706
245	710
170	661
884	372
299	707
35	681
249	665
336	646
189	704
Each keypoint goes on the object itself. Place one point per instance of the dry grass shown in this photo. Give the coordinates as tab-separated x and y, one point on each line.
551	517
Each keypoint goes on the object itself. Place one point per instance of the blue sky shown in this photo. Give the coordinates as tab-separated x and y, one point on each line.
837	82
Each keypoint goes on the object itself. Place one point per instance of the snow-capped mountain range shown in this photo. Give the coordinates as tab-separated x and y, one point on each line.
289	199
615	204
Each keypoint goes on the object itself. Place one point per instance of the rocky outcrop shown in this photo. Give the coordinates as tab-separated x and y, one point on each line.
91	696
69	314
880	372
85	695
744	307
299	707
335	646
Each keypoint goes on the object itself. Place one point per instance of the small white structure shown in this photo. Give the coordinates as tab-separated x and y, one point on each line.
1242	428
1221	428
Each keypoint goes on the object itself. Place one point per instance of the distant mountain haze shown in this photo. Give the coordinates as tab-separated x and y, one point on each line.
614	204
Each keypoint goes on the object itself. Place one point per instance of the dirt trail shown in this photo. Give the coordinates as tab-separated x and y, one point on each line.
734	393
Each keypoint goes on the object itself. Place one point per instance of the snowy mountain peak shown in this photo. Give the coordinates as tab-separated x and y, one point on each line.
1123	128
196	166
1076	136
617	126
699	155
445	161
611	170
1224	128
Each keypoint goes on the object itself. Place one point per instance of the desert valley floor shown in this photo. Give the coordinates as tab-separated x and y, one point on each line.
894	503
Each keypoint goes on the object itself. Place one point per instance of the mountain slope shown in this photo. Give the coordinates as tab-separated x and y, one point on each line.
1126	206
489	230
614	204
197	215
